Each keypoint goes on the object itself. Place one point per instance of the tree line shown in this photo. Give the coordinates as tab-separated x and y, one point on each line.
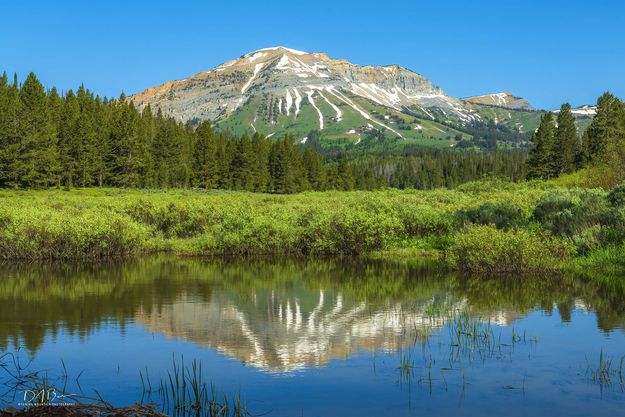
78	139
436	168
81	140
558	148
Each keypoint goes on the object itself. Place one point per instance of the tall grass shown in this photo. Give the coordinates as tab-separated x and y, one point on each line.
185	392
607	371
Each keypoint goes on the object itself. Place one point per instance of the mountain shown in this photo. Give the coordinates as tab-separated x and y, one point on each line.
279	90
582	112
505	99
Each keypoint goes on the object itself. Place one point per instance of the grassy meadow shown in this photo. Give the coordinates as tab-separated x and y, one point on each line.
485	226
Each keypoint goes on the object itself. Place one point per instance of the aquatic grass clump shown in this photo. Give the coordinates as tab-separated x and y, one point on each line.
607	371
472	335
185	392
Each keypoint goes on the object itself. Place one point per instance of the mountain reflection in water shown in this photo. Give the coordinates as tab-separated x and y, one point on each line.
276	315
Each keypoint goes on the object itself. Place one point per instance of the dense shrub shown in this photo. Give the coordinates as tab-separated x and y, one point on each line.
262	236
419	221
590	239
350	232
172	220
569	212
501	215
616	197
36	234
112	222
587	217
486	249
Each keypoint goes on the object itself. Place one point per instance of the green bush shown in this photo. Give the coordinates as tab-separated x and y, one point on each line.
570	212
486	249
350	231
616	197
501	215
36	234
112	222
173	220
420	221
264	236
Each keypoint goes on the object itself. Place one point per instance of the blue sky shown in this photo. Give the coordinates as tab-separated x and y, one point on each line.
546	51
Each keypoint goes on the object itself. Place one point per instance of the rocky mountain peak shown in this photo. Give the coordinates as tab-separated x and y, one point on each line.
504	99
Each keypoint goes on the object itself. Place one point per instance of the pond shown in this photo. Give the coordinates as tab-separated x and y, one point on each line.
317	338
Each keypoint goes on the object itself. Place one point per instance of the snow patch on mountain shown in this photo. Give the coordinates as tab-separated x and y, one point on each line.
249	82
310	94
298	101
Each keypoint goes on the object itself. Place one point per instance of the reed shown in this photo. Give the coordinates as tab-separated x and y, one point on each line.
607	371
184	392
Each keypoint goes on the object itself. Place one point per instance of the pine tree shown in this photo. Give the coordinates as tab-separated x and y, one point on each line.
542	161
279	167
124	165
567	141
315	171
261	146
68	140
286	168
147	135
614	154
36	162
604	127
344	172
102	123
8	130
87	135
205	168
242	165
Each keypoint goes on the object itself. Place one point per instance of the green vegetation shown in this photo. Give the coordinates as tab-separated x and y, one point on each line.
558	149
58	224
607	371
490	250
424	168
185	392
81	140
487	226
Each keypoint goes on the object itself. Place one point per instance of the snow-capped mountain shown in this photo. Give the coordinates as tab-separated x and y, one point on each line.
279	89
505	99
582	111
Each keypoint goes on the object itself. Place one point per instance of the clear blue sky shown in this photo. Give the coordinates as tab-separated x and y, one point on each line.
546	51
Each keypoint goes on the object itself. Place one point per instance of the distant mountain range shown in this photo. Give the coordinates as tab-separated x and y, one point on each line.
280	90
506	100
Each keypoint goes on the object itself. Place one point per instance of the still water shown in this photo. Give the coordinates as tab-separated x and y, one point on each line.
320	338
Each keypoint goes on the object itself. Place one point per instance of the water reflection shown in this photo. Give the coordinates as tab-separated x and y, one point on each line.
275	315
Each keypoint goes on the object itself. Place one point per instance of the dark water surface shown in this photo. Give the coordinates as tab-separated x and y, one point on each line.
321	338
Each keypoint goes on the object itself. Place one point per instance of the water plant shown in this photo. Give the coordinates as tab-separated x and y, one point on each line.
184	391
607	371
